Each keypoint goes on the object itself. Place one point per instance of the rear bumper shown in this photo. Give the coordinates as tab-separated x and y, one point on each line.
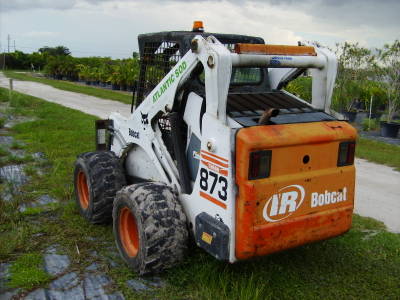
274	237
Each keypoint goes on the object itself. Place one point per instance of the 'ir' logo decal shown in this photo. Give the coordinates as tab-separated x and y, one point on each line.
284	203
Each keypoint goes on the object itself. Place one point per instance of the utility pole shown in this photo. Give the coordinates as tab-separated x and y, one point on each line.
4	60
14	45
8	43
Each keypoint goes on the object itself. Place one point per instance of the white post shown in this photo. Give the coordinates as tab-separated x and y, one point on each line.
370	111
10	89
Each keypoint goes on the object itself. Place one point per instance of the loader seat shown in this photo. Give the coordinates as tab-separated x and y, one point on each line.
193	115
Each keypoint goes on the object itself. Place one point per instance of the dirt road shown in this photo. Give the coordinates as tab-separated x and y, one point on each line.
88	104
377	187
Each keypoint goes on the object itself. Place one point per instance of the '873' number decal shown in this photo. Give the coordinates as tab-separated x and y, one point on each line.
210	182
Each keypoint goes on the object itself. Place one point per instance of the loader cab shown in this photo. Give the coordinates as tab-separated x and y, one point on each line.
159	52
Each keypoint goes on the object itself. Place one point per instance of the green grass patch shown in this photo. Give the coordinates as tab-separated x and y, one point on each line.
379	152
362	264
370	124
15	145
33	211
13	159
27	272
3	152
73	87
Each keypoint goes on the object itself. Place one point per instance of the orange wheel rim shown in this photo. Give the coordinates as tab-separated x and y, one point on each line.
83	190
128	232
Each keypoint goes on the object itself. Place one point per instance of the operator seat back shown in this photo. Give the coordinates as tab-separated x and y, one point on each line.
194	111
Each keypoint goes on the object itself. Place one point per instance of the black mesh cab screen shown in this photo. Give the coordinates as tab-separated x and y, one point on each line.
246	108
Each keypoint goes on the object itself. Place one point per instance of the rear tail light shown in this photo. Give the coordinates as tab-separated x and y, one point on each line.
260	164
346	153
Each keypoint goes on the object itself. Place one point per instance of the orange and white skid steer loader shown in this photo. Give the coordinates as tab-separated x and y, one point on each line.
215	147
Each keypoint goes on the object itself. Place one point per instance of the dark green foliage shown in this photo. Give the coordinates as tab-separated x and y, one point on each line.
55	51
301	87
22	61
57	63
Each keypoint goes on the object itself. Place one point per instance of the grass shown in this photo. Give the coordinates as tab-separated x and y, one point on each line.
27	271
379	152
8	159
362	264
16	146
370	124
73	87
3	152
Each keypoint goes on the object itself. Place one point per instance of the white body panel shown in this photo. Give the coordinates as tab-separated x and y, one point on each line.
141	170
140	138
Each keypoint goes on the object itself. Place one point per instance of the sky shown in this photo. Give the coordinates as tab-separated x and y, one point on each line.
110	27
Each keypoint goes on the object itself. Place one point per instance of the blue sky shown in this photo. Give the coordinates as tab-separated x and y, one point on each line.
110	28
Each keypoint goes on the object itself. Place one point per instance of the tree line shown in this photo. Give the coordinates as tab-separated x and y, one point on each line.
57	63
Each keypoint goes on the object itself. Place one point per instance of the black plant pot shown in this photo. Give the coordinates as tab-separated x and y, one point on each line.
389	129
350	115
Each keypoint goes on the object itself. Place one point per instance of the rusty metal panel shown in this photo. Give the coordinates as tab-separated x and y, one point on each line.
275	49
305	199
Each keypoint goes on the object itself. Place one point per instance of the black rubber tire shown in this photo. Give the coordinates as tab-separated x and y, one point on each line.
161	226
104	177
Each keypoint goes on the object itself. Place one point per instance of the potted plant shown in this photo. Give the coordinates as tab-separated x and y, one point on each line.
84	73
115	78
353	70
350	113
388	73
103	74
133	74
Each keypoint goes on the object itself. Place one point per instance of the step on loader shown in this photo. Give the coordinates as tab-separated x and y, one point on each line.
216	149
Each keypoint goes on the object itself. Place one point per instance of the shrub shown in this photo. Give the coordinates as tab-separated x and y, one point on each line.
370	124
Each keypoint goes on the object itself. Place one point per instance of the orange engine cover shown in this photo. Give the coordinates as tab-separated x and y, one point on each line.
304	199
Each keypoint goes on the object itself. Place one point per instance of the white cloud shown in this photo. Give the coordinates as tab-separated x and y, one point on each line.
10	5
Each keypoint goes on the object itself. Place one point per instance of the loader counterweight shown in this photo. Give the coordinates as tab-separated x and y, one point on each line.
302	200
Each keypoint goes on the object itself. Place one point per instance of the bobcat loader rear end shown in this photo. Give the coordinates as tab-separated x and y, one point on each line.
217	148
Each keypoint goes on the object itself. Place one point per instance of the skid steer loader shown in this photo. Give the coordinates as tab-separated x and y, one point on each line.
216	149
